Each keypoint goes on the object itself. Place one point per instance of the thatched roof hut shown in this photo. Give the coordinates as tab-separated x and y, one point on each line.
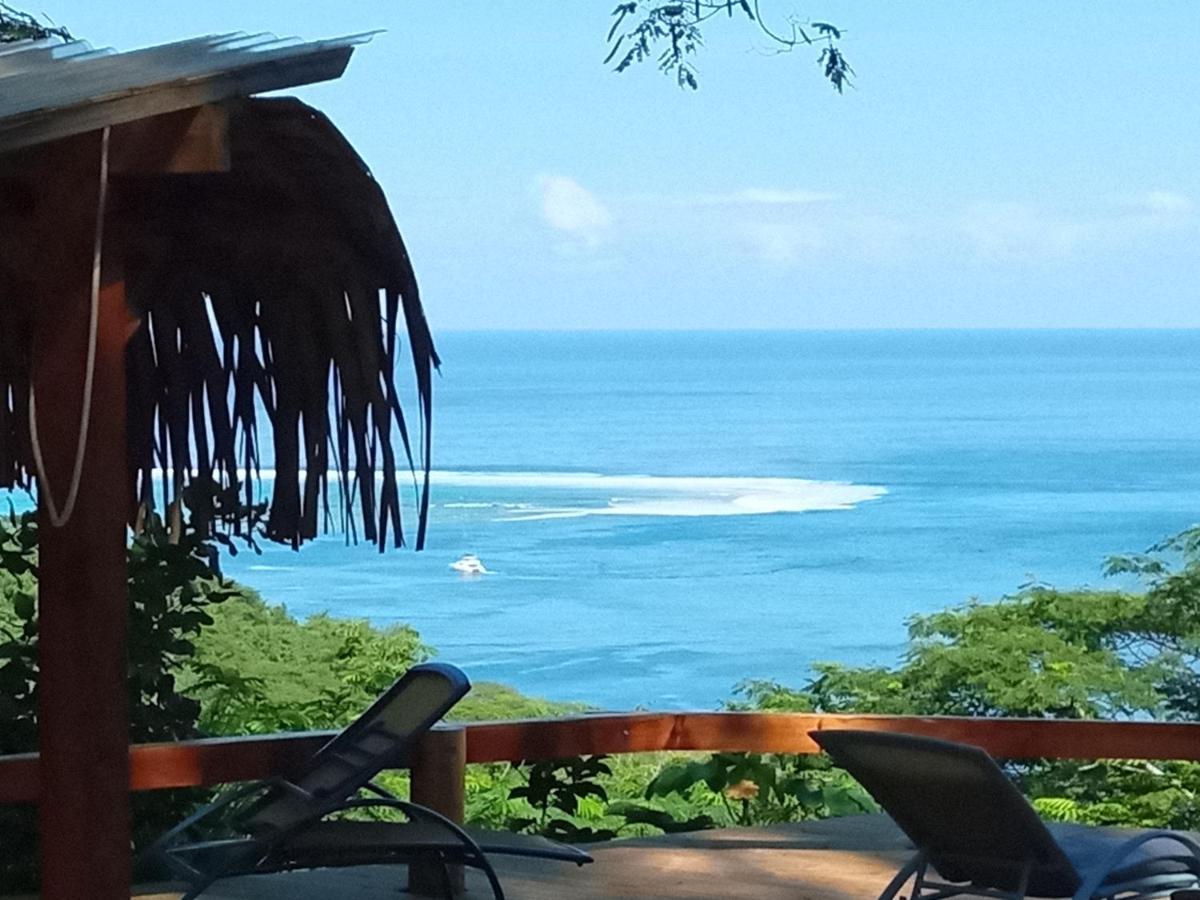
178	262
279	287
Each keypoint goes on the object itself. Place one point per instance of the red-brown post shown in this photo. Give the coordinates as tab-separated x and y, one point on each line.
439	769
83	714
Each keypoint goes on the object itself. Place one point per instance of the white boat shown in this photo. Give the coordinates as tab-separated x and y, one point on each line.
469	564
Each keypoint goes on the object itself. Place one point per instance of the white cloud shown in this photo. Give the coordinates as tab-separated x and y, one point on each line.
792	227
570	208
1170	203
782	243
780	198
766	197
1015	231
1027	231
880	238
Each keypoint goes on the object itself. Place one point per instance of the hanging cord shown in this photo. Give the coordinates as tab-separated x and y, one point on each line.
59	519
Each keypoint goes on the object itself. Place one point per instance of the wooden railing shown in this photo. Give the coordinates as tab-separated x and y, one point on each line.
437	764
788	733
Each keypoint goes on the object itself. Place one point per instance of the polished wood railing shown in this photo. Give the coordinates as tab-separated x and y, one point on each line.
760	732
437	765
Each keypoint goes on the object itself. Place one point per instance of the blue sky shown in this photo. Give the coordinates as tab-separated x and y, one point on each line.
1016	164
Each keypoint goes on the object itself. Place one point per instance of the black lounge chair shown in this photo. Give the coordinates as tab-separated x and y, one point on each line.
973	828
283	824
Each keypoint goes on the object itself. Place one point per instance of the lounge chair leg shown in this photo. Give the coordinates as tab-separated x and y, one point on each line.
196	890
494	881
915	866
431	876
1023	885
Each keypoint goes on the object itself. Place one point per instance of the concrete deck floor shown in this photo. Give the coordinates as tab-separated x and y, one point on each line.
837	859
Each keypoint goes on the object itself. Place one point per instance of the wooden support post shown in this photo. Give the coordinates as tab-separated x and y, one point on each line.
83	715
439	781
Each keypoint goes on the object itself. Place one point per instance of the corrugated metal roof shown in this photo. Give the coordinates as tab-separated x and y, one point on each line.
50	89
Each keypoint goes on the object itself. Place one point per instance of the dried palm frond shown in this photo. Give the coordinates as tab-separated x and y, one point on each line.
274	289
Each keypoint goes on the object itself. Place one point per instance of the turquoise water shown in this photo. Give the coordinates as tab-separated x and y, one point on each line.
946	465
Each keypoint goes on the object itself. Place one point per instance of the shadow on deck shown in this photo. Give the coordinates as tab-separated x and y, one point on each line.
837	859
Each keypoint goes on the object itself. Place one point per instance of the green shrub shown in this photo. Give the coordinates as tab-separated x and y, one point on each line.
172	586
256	669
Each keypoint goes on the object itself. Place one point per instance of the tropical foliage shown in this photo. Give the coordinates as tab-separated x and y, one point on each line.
597	798
209	656
668	34
206	657
16	25
172	588
1043	653
1052	653
671	34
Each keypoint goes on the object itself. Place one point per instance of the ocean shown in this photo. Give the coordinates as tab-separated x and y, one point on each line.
666	514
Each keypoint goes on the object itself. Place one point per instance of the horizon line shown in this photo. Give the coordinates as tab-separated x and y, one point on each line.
810	329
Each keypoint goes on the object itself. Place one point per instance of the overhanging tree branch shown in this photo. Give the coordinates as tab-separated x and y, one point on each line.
16	25
671	35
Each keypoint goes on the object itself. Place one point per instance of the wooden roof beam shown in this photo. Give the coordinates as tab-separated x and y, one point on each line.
186	142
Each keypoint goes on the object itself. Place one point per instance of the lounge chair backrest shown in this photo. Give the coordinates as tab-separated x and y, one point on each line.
377	739
956	804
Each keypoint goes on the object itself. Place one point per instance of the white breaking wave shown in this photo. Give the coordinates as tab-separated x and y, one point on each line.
650	495
659	495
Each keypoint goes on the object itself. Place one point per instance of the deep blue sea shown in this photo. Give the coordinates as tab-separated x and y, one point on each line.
667	514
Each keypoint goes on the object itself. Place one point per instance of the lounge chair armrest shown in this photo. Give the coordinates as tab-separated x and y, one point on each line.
1092	883
474	854
382	793
412	810
224	799
292	788
160	850
415	810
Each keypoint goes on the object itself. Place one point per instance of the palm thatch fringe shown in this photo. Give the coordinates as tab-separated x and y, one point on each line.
275	289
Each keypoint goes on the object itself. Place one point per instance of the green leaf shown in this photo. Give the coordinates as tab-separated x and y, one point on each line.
25	606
